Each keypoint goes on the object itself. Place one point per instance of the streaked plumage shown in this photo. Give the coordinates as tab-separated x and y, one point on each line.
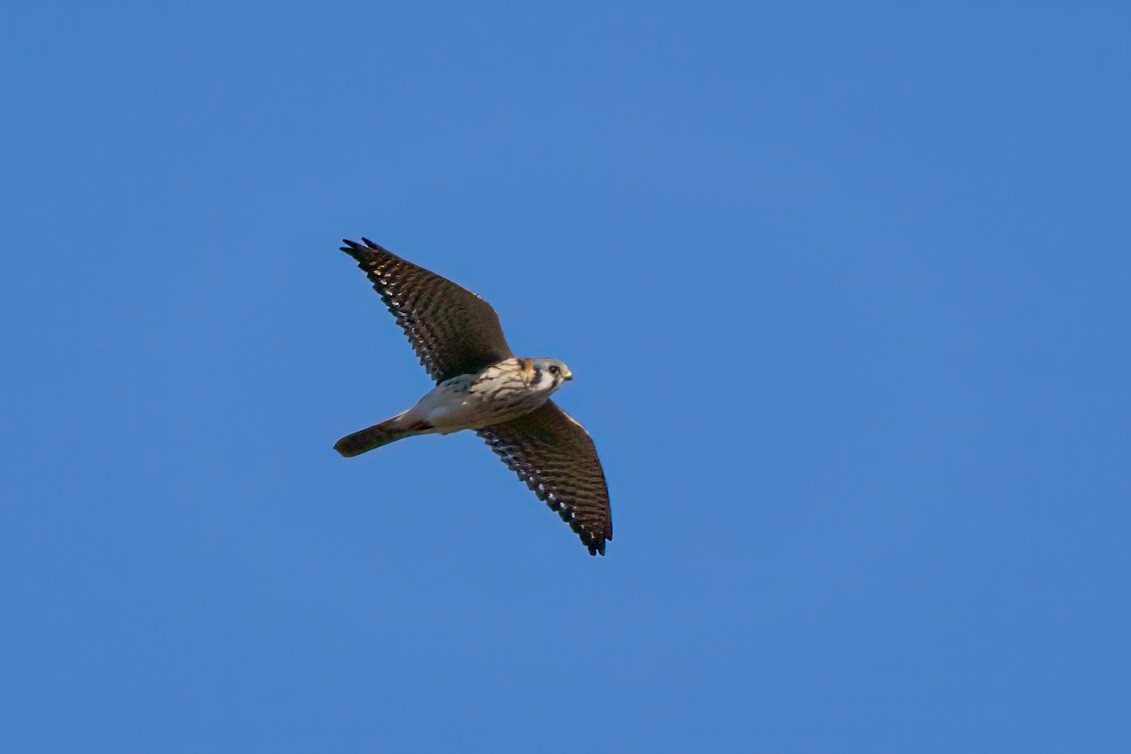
482	386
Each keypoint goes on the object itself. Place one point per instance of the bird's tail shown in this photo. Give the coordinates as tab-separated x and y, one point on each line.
384	433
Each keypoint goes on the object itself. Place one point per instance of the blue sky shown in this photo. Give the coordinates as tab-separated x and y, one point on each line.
846	289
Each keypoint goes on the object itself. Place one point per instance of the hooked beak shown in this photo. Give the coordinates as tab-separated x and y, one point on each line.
567	375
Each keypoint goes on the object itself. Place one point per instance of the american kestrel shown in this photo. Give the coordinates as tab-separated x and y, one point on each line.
482	386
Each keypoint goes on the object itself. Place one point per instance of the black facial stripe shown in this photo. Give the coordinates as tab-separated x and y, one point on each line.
537	375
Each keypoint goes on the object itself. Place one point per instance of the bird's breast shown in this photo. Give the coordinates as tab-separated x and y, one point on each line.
497	394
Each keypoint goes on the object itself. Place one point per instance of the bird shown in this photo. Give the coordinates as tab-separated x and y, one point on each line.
482	386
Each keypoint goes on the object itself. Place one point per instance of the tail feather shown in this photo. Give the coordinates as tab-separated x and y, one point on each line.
374	437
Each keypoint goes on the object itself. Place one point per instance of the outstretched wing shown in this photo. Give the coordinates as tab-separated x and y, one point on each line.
452	330
556	458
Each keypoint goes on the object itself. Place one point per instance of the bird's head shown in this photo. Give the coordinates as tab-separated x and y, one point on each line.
549	374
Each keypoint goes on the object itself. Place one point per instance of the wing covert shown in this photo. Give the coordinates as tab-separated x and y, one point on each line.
451	329
556	458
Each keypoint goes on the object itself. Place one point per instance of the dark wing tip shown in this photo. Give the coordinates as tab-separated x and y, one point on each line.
595	542
351	247
593	539
366	250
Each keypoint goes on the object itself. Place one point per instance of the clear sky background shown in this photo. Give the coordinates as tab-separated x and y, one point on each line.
846	289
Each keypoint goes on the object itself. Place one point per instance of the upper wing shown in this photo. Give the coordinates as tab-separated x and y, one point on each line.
452	330
556	458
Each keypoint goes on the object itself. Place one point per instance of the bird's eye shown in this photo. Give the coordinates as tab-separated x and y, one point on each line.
554	369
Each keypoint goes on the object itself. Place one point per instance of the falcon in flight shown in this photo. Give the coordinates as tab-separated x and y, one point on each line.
481	385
